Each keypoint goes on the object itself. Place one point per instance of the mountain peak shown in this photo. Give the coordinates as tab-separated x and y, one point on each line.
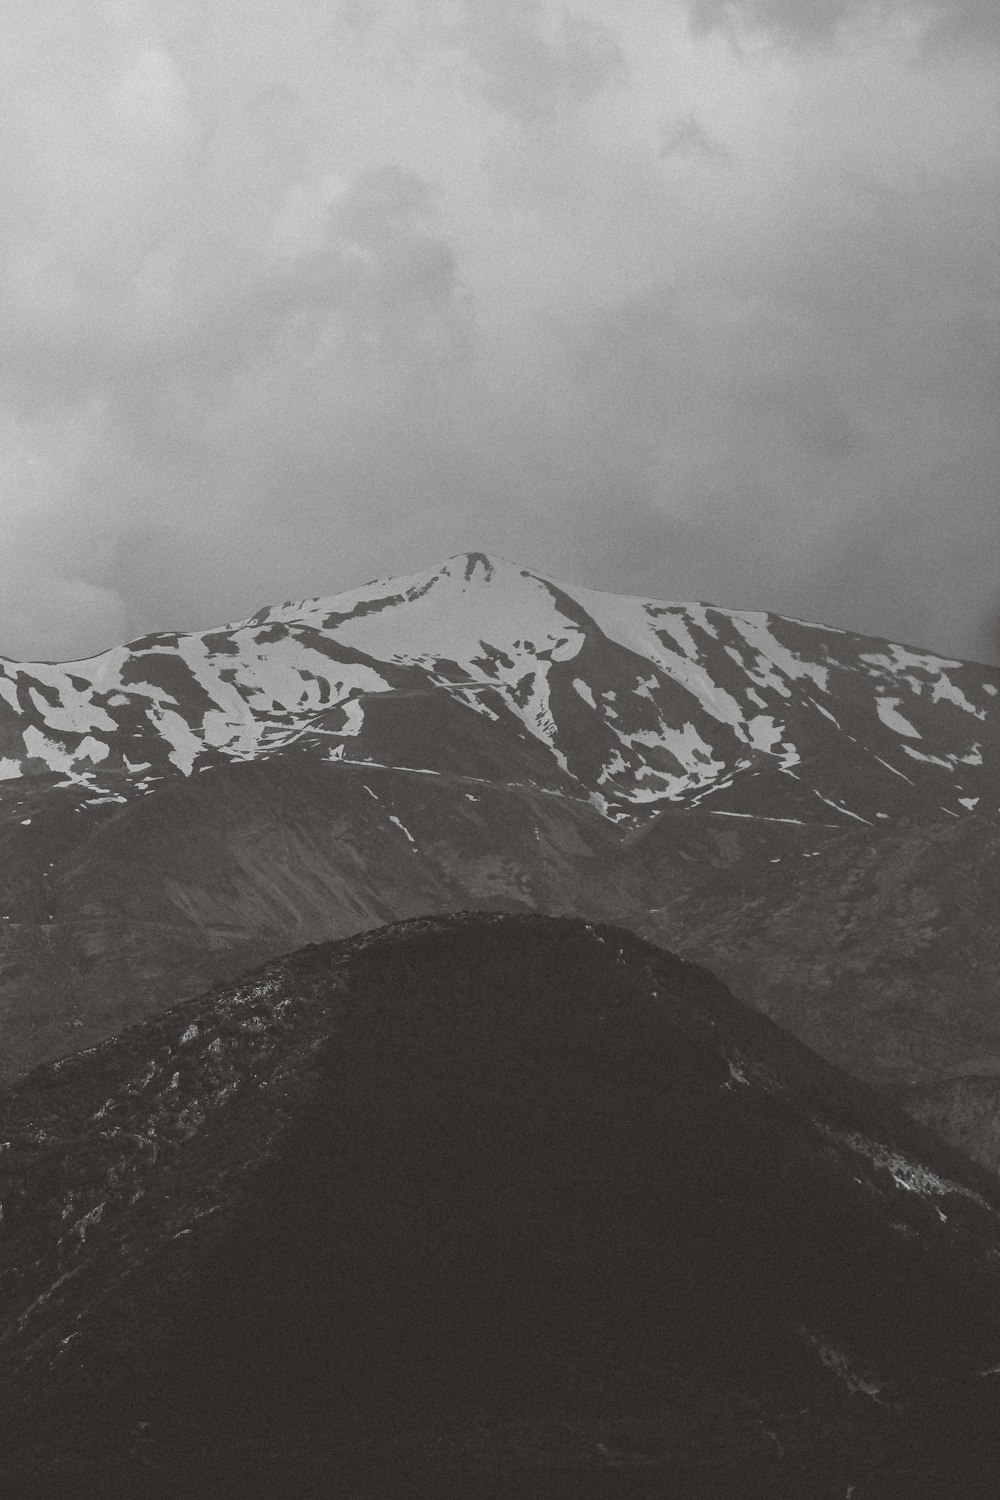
480	565
631	704
460	567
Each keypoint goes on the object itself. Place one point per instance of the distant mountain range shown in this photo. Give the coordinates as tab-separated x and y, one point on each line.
487	1205
814	814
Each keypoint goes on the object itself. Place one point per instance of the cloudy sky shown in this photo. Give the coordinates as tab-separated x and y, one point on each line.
684	298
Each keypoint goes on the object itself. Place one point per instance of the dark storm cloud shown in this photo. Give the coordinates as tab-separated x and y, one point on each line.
805	23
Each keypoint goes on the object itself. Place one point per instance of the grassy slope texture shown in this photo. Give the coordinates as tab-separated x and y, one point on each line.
487	1205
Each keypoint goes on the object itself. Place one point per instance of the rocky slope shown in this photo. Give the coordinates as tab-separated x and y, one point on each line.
487	1205
884	954
963	1107
811	811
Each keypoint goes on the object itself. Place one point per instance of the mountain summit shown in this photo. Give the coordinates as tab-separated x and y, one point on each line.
625	703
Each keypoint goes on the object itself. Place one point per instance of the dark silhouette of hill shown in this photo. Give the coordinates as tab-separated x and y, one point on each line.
483	1205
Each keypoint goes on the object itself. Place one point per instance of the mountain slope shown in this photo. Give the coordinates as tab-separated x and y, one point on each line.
813	811
624	702
488	1205
883	954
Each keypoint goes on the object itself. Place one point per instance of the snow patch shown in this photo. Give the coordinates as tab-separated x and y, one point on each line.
888	711
736	1075
893	769
931	760
949	692
403	829
40	747
88	1221
897	659
845	810
764	733
911	1177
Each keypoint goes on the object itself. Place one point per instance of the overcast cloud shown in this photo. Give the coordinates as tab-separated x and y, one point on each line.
694	300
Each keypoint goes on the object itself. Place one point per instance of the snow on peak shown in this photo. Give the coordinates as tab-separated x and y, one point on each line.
639	701
461	571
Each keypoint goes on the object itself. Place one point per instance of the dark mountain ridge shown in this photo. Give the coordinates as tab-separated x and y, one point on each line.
480	1204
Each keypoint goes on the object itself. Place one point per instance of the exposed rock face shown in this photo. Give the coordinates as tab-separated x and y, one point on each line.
810	811
505	1202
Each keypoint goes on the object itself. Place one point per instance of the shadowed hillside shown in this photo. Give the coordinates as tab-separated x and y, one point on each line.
488	1204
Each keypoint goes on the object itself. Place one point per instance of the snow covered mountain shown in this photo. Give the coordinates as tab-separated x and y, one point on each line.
812	813
490	670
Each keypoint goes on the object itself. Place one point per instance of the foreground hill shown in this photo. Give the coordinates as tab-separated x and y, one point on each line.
487	1205
812	812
